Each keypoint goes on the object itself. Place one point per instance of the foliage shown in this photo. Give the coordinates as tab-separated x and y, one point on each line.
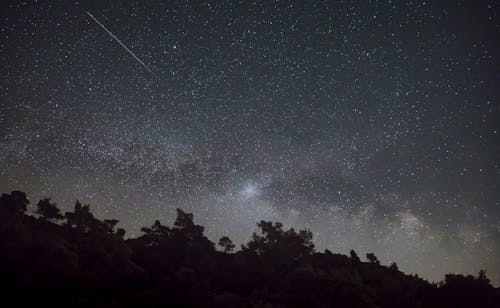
76	259
372	258
226	244
48	210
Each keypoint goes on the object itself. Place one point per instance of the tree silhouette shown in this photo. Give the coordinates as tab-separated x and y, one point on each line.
156	234
48	210
187	233
280	246
226	243
81	218
14	204
372	258
393	266
184	222
120	232
482	276
354	257
85	262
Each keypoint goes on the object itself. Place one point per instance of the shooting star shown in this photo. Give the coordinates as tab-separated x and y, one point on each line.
116	39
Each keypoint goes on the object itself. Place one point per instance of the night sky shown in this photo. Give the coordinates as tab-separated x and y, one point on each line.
373	123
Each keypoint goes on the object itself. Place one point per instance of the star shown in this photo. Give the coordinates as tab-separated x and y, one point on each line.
249	191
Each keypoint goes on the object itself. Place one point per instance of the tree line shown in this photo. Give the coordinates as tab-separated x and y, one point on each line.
47	257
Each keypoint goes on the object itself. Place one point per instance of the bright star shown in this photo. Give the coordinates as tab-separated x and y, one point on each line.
249	191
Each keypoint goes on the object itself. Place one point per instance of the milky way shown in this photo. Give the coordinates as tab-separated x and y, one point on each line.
372	123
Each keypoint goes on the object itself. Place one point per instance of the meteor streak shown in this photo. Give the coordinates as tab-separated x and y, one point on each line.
116	39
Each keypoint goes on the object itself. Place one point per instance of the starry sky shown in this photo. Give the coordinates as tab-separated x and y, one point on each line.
372	123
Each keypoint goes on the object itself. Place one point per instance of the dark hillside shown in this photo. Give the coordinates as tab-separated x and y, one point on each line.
78	260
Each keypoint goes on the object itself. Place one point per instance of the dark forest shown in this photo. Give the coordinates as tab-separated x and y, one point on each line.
74	259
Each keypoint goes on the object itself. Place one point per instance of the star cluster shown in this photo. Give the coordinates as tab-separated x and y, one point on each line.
372	123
